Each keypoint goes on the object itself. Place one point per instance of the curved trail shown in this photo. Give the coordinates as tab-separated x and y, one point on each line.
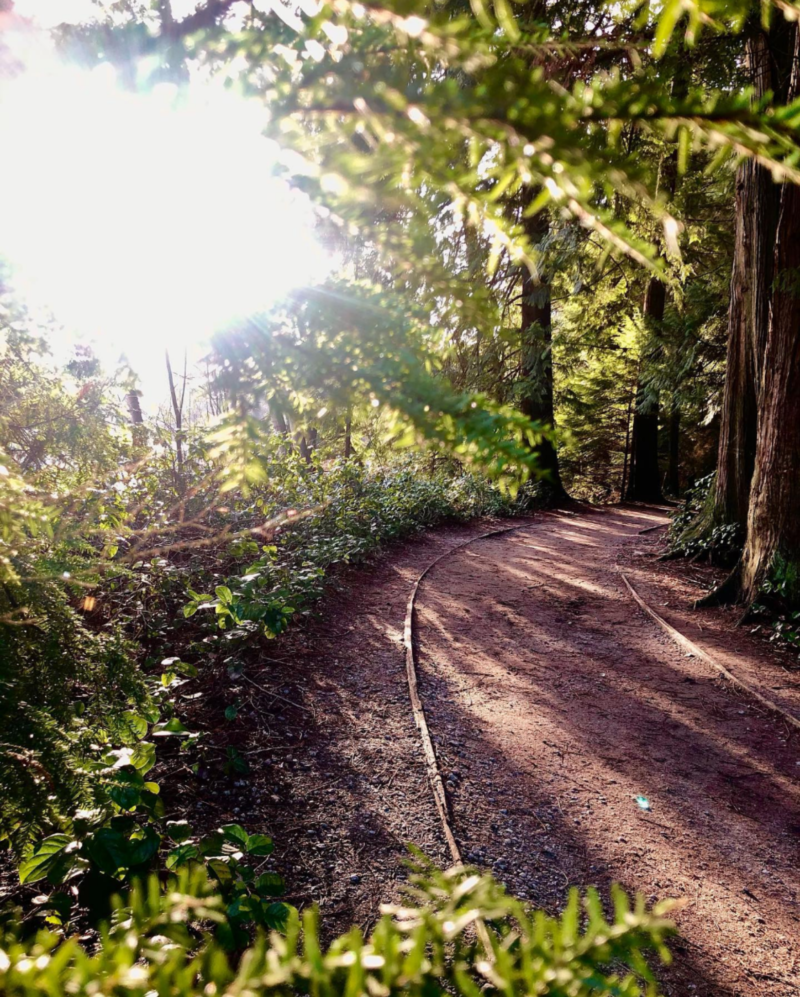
552	702
556	703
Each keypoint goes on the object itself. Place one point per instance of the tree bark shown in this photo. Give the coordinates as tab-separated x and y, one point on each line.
536	367
757	204
348	435
624	485
773	526
644	479
673	483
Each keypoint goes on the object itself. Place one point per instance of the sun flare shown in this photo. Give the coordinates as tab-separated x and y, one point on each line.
145	220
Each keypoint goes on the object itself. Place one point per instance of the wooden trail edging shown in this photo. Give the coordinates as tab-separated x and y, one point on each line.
698	652
434	775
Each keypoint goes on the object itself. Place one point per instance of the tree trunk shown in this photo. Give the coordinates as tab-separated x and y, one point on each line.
757	203
673	483
773	526
134	408
644	479
536	369
348	435
624	484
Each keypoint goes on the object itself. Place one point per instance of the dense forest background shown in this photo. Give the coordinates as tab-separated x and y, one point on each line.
561	250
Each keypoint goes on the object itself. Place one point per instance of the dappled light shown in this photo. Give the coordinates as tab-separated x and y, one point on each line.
399	453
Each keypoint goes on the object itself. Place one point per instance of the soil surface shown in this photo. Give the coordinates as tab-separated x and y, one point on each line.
553	703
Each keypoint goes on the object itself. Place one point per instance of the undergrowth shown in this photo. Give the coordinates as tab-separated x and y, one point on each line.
163	942
84	708
692	534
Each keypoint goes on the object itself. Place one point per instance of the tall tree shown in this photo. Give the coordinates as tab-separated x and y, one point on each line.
644	480
768	62
536	353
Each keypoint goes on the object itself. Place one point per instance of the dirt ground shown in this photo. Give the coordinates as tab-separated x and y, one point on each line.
553	703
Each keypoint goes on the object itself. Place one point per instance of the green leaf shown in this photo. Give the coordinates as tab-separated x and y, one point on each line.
145	848
189	610
126	797
172	727
181	855
179	830
224	594
231	712
221	870
108	849
137	725
44	858
143	757
277	915
235	833
269	884
259	844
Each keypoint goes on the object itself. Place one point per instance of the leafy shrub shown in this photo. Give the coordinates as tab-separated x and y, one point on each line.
353	510
161	942
693	534
63	689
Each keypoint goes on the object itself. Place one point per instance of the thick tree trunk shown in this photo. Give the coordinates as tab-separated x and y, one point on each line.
644	479
773	526
536	368
757	202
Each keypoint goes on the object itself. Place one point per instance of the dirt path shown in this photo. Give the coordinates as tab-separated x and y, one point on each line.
553	703
559	703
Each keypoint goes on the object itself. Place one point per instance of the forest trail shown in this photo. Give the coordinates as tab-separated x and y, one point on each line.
572	704
553	703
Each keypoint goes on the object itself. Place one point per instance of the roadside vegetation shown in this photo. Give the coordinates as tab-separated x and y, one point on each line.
532	215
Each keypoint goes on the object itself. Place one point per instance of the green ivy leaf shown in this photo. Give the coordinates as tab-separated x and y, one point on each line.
259	844
44	858
269	884
143	757
235	833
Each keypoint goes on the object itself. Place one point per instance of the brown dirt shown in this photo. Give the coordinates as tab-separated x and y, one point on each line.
553	703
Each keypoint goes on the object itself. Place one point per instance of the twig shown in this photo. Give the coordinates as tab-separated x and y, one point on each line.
275	695
649	529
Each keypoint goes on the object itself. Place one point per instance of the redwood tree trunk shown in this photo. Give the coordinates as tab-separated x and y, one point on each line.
757	203
773	524
644	479
536	367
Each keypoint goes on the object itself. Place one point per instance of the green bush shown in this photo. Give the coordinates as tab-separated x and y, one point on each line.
693	533
162	942
352	511
64	691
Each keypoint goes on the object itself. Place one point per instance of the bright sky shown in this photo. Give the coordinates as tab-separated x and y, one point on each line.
143	221
48	13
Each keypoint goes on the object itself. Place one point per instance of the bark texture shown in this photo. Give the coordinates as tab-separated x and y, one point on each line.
672	481
644	479
773	525
757	205
536	365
